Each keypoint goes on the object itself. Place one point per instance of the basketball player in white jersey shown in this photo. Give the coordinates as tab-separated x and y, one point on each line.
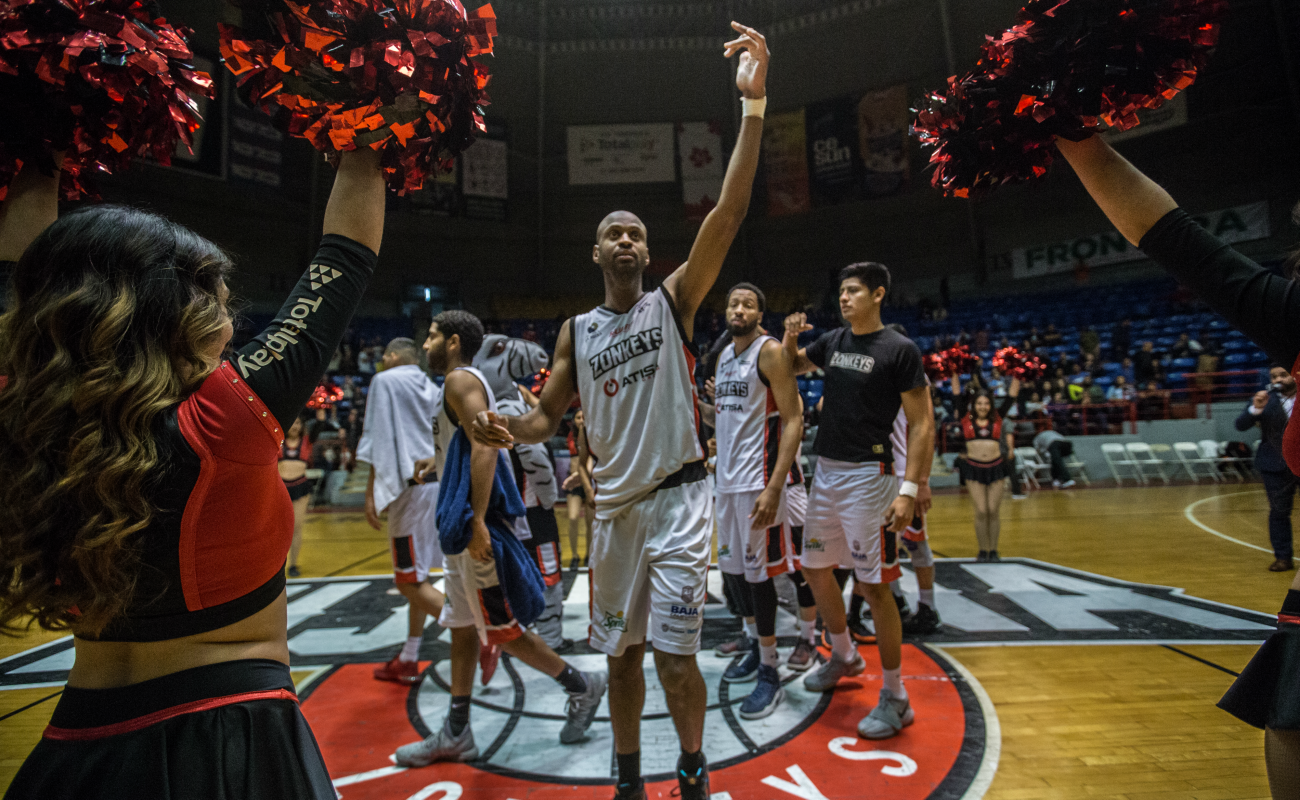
758	416
476	610
857	508
916	538
631	361
397	433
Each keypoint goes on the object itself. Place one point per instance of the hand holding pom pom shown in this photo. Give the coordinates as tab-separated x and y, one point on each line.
103	80
1065	68
392	75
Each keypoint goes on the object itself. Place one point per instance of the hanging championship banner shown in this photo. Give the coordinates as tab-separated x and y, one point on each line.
883	119
621	154
700	159
484	170
785	158
832	151
1239	224
255	146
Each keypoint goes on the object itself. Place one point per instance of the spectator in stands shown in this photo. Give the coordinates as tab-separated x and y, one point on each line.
1094	393
1035	340
1121	339
1120	391
351	424
1034	405
1152	402
365	362
348	365
1271	409
1146	364
1185	347
1208	361
1052	337
530	333
336	362
1126	369
1090	343
1054	447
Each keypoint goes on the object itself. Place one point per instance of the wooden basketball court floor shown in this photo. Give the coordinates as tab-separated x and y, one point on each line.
1135	720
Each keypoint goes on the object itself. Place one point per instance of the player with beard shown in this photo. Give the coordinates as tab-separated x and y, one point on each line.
477	610
631	361
857	508
758	415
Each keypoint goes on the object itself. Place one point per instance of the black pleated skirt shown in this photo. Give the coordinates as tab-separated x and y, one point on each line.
230	730
1267	693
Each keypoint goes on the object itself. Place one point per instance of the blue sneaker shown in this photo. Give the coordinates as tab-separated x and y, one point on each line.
767	694
744	669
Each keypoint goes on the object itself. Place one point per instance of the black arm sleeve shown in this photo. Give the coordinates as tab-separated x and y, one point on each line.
284	363
1258	303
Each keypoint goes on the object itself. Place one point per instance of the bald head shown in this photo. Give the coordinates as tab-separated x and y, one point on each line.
619	218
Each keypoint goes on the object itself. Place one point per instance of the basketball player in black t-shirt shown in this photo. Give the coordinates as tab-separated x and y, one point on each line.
857	509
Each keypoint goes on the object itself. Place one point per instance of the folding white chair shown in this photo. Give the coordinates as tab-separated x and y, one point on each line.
1031	464
1144	459
1189	455
1077	469
1117	458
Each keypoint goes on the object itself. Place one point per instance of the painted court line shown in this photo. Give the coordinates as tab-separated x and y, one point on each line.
1191	517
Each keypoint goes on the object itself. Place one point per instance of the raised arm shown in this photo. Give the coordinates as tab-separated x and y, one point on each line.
773	366
796	358
694	279
541	423
284	363
31	206
1258	303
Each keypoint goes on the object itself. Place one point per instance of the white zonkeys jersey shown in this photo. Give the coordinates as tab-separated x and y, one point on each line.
444	429
534	471
635	379
748	423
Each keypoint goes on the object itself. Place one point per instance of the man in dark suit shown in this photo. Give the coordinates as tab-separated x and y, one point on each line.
1270	409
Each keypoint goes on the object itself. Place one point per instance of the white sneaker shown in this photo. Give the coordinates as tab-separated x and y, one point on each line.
829	674
440	746
582	707
1067	484
889	717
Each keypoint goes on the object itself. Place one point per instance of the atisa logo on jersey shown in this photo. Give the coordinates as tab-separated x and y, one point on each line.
621	352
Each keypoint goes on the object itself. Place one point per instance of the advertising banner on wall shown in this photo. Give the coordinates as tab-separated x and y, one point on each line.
700	159
1238	224
255	146
621	154
883	119
832	151
485	173
785	159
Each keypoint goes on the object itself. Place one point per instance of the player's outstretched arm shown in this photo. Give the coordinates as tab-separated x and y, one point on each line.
541	423
1132	201
773	365
694	279
796	358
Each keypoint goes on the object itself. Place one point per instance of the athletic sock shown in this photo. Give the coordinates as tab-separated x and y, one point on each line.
629	771
842	645
768	653
572	680
855	607
411	650
894	682
808	629
896	586
690	764
927	597
458	714
751	629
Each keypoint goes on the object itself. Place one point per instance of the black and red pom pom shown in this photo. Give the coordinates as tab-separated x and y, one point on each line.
393	75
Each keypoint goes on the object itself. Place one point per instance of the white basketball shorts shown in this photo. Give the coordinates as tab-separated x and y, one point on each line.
742	550
413	533
846	520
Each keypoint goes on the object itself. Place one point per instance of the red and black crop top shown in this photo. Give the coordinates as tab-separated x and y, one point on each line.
970	431
214	553
300	453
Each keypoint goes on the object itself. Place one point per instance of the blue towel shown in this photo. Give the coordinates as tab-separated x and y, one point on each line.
521	581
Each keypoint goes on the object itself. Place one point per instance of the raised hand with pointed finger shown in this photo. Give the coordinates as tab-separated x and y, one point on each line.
751	73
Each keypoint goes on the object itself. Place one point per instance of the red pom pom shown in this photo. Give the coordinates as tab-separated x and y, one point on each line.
325	396
103	80
540	381
1017	364
1065	68
393	75
953	361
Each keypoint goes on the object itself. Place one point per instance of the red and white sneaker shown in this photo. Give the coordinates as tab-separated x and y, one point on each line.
399	671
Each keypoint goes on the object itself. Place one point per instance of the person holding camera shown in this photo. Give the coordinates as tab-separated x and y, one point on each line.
1270	409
